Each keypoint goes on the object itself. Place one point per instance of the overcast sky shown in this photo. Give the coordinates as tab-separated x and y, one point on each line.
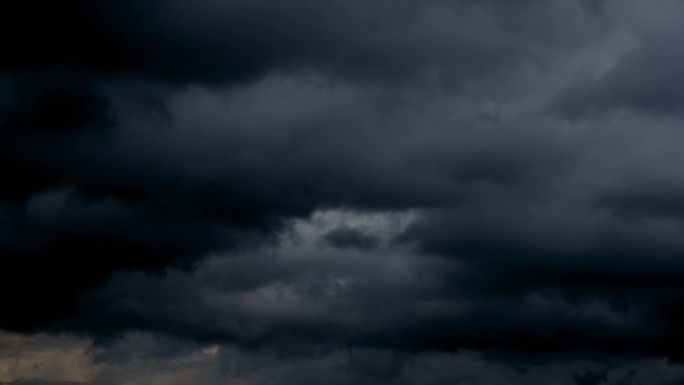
411	192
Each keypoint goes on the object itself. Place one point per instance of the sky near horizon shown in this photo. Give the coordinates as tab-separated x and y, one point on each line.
410	192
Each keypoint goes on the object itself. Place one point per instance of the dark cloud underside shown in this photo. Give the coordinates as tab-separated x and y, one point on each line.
380	181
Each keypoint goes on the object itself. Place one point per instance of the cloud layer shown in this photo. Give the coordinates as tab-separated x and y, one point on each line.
391	185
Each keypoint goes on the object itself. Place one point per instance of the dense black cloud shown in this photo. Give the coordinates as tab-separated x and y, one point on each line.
590	377
241	40
382	178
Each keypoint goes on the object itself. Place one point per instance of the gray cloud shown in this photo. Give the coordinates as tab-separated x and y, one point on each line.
369	182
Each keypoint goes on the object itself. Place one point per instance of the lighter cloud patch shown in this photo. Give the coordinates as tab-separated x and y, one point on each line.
384	225
58	358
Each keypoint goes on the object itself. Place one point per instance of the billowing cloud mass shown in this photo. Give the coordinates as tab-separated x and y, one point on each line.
382	191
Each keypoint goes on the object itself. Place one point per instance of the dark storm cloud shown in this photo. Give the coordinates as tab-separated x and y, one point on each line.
241	40
590	377
207	172
43	111
306	298
457	159
344	238
91	239
54	101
